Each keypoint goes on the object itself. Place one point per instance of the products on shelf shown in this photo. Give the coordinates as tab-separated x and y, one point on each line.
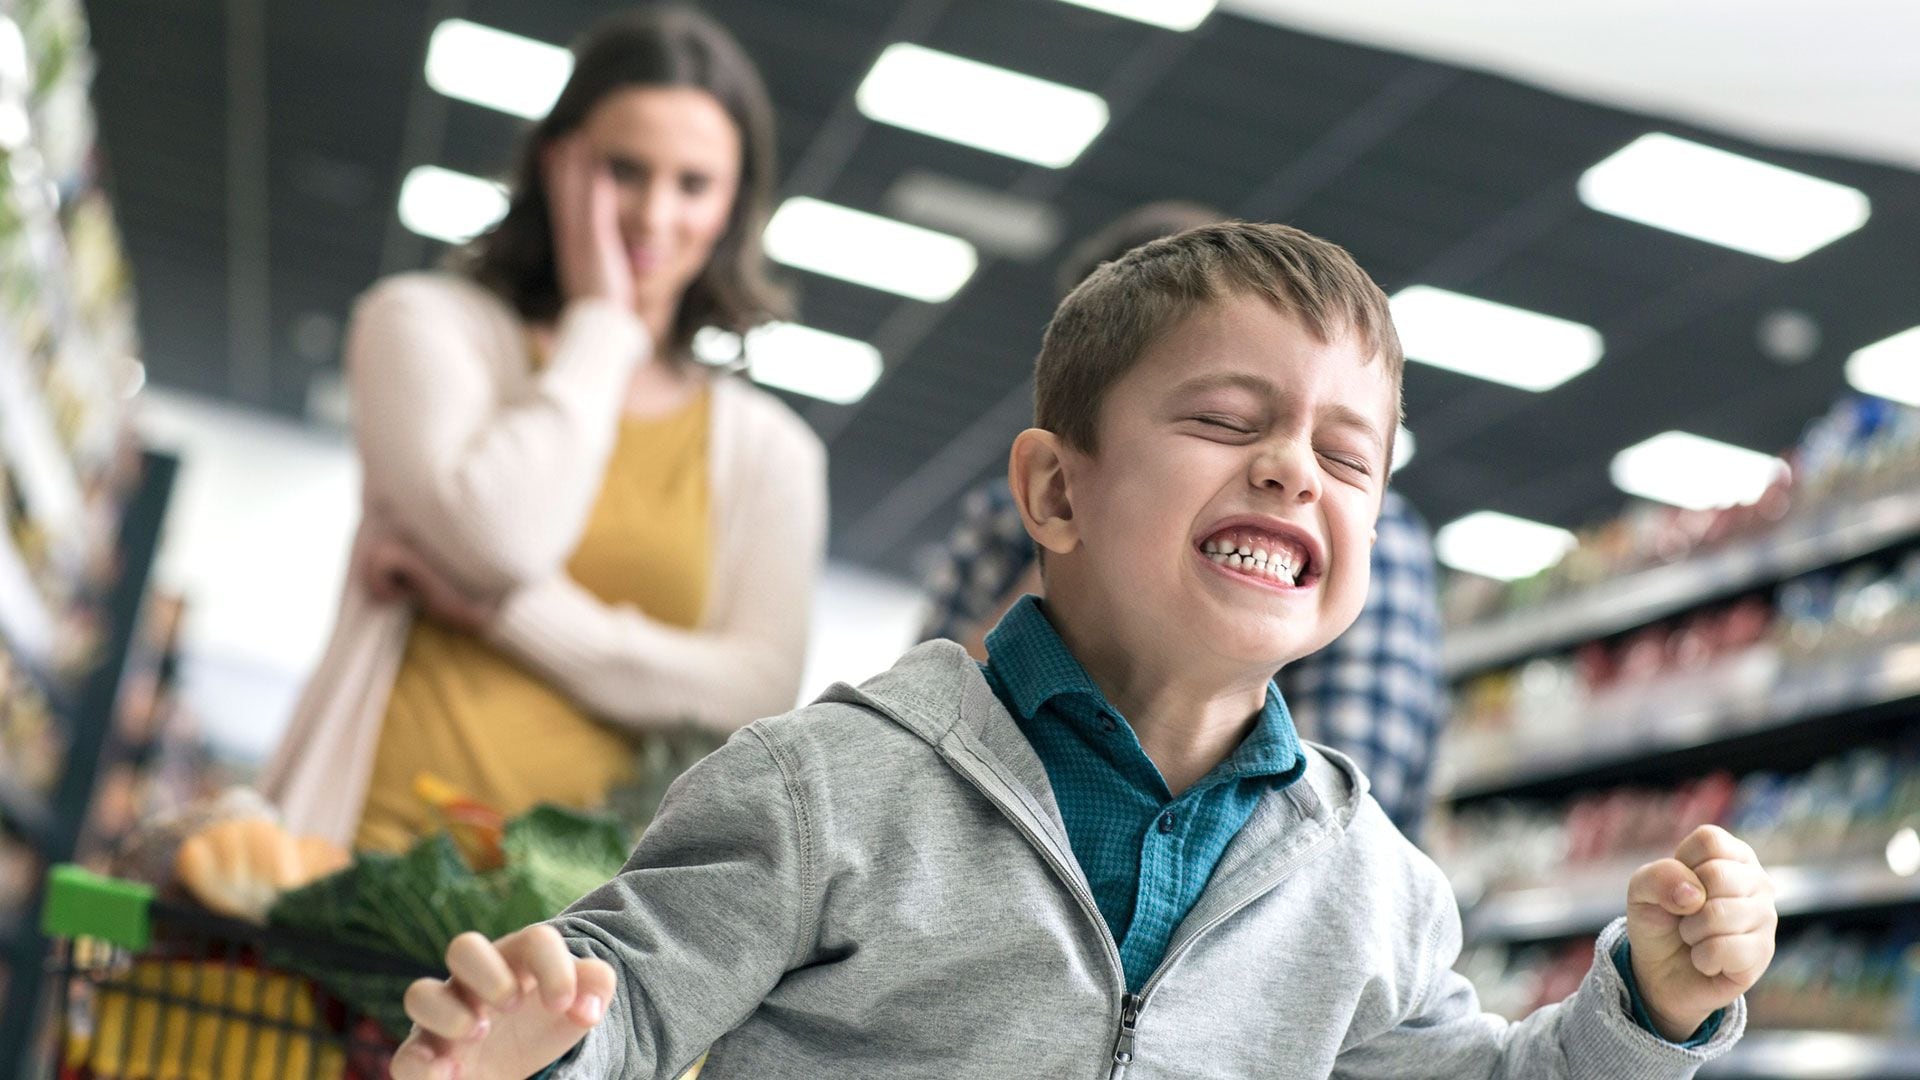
32	746
1856	980
1843	808
1842	980
1724	665
1863	448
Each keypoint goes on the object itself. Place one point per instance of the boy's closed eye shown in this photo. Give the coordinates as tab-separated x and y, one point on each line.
1355	465
1221	422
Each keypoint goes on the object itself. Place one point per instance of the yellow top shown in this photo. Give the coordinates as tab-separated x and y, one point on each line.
471	715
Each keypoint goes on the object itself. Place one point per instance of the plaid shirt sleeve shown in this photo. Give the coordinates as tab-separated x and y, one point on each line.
1376	693
986	554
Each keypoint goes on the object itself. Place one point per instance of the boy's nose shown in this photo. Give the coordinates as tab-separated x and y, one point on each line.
1288	469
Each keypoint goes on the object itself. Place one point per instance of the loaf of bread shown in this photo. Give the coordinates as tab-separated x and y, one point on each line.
239	868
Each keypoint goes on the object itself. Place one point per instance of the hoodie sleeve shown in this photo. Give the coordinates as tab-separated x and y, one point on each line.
718	901
1592	1035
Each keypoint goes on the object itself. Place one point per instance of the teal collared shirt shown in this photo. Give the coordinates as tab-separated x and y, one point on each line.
1147	853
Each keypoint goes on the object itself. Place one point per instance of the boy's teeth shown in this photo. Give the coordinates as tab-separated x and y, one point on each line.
1282	563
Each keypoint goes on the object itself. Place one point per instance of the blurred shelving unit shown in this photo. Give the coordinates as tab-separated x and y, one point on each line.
1769	677
80	505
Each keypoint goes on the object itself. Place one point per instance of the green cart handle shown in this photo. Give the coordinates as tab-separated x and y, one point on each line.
81	903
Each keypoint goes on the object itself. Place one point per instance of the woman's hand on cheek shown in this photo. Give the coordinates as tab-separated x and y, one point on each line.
583	208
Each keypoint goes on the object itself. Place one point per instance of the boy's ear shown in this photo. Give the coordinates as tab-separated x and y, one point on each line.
1037	472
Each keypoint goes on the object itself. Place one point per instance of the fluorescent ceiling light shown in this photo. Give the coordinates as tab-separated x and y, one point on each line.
797	358
1692	471
1172	14
496	69
979	105
1501	546
869	250
1889	368
1722	198
1402	449
1492	341
445	205
812	362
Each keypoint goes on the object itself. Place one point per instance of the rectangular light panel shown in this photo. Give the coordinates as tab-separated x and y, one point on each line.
449	206
1889	368
869	250
1692	471
1500	546
1492	341
812	362
979	105
796	358
489	67
1171	14
1722	198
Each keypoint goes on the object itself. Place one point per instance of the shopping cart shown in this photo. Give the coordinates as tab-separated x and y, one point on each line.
147	990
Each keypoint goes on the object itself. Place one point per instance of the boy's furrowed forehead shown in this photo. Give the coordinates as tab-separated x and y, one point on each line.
1248	343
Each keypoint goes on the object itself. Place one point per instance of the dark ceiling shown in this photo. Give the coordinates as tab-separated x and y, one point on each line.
1427	173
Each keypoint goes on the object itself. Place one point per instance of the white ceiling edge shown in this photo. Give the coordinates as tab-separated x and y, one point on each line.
1838	78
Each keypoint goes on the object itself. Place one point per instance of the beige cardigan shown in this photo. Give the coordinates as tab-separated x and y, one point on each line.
493	469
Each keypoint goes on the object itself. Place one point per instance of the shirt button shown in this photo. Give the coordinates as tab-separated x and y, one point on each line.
1166	822
1109	724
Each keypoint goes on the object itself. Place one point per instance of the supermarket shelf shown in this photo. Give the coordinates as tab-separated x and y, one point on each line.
28	439
1586	905
1857	683
1816	1055
25	624
1819	539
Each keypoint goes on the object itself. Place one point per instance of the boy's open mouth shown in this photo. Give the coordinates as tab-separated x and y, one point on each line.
1262	554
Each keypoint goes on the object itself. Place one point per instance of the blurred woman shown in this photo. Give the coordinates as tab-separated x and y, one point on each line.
575	536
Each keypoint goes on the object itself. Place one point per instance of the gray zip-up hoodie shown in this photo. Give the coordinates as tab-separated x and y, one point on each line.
879	885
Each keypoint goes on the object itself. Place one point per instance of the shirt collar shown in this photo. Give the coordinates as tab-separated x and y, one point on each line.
1034	666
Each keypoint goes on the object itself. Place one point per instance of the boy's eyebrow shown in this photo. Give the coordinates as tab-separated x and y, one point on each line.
1342	415
1228	380
1348	417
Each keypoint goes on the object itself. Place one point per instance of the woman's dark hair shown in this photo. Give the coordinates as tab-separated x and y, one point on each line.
657	46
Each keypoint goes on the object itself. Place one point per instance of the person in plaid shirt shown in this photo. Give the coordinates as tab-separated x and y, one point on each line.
1375	694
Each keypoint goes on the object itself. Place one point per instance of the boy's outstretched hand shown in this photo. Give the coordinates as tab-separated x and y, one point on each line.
1701	926
511	1008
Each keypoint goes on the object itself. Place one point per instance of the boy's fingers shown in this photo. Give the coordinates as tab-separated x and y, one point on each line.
594	982
1713	842
478	966
1732	955
1732	878
1727	915
540	951
422	1057
1668	885
438	1009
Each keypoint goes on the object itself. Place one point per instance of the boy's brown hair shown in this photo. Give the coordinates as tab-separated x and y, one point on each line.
1105	325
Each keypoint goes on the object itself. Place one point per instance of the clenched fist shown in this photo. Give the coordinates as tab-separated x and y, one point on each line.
511	1008
1701	925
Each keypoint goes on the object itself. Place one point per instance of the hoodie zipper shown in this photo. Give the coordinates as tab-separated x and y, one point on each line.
1130	1006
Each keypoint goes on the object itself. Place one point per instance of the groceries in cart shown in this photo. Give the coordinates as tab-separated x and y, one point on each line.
241	951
